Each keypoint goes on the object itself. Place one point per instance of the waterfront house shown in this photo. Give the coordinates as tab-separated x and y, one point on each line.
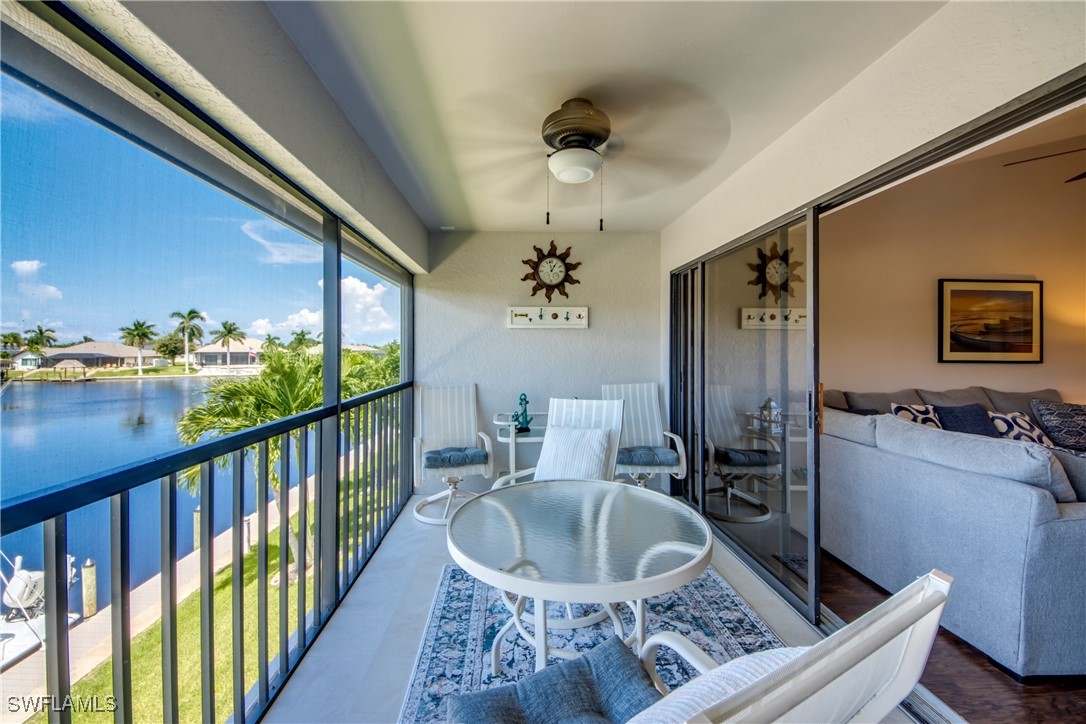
27	360
100	354
786	185
245	352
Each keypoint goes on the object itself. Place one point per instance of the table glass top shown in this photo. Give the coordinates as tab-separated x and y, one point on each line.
578	532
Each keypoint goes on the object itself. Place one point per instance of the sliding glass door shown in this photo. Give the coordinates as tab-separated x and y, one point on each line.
743	365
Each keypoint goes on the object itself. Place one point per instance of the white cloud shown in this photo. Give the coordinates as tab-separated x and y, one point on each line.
363	315
39	292
280	252
27	267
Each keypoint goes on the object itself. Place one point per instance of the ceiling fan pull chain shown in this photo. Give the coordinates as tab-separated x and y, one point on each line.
601	198
548	174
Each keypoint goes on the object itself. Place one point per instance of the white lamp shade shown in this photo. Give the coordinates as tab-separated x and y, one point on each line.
574	165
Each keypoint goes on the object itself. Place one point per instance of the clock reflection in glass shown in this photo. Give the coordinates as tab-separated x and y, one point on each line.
776	273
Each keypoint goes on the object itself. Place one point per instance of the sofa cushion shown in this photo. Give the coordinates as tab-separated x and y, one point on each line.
1019	426
1074	464
1064	422
920	414
964	396
972	419
881	401
834	398
857	428
1024	462
1019	401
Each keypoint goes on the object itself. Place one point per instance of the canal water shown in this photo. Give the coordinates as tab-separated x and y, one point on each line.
53	433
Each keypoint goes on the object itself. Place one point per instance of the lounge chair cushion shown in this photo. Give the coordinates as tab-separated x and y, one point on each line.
454	457
646	455
747	458
572	453
698	694
607	684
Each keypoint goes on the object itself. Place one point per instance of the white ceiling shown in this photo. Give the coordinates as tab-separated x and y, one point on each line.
451	96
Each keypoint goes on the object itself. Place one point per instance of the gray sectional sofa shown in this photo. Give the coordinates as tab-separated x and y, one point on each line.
899	499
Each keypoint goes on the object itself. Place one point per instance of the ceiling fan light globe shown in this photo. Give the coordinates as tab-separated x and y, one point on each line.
575	165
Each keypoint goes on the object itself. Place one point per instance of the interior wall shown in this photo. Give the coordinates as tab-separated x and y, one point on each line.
881	259
966	60
461	334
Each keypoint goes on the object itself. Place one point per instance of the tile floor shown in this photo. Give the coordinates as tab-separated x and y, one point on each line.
359	667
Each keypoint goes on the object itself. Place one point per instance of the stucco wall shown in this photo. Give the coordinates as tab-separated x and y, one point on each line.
882	257
968	59
460	332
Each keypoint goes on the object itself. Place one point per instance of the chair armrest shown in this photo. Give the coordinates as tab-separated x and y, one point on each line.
681	449
418	461
681	645
511	479
488	446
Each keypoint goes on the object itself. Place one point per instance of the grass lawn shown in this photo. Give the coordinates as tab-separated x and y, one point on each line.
147	649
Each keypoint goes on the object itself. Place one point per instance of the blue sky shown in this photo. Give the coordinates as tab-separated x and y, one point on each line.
97	232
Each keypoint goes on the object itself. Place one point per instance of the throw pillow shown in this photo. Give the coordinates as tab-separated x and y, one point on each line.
865	411
1019	426
920	414
573	453
972	419
1074	464
1064	422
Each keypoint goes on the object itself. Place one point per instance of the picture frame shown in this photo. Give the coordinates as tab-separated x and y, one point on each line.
990	320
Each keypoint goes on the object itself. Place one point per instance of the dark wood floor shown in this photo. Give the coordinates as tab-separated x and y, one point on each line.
958	674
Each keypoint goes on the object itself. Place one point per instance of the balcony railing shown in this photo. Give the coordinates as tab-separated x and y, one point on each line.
361	446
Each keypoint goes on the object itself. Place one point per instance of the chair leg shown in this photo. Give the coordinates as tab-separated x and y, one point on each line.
730	491
448	495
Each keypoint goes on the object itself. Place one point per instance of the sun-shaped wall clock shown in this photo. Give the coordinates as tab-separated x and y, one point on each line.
550	271
775	273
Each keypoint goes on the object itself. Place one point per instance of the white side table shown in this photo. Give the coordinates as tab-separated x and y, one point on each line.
507	434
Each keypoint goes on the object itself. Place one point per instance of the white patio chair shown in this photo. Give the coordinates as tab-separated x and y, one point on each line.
643	449
860	673
569	449
448	447
735	464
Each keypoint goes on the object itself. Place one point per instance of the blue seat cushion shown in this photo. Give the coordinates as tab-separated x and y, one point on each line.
647	455
747	458
454	457
605	685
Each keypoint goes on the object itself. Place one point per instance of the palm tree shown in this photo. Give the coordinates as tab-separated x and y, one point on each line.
40	337
271	342
86	338
12	341
230	332
301	340
137	335
189	330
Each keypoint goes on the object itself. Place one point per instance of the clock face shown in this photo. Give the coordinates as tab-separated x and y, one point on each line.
776	272
550	271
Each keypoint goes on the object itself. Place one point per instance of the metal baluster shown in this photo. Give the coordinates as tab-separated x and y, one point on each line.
168	506
57	674
262	575
120	604
303	532
284	554
318	517
238	583
344	498
358	519
207	590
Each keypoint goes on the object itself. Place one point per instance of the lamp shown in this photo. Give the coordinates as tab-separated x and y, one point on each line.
574	164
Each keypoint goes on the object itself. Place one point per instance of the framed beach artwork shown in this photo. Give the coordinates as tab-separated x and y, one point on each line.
983	320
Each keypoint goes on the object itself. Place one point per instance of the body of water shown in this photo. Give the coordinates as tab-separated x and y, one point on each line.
54	433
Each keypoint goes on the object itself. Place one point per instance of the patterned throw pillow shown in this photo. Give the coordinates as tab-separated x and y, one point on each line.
920	414
1064	422
1018	426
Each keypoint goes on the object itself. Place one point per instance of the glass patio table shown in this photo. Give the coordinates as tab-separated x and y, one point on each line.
578	541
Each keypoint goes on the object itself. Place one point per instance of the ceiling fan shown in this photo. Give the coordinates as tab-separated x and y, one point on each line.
575	131
1079	177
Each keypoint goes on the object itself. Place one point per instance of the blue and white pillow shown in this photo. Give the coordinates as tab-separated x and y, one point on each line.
1018	426
920	414
1064	422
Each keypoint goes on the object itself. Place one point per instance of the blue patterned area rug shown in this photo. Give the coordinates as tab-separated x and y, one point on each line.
454	656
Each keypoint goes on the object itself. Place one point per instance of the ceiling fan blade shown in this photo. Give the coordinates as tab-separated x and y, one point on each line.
1076	178
1038	158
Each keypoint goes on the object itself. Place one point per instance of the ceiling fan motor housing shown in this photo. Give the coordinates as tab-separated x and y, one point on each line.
577	124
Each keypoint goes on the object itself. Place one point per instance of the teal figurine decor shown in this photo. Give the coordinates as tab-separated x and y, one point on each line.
521	418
